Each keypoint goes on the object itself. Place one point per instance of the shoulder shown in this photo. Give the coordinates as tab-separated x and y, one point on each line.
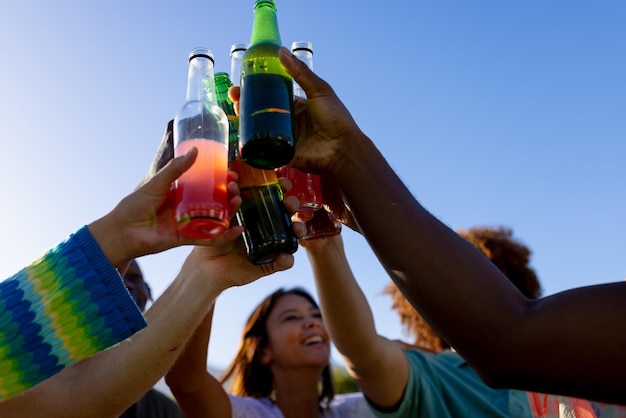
445	359
443	384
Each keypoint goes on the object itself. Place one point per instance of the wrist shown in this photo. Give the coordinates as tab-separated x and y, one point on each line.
205	272
109	238
351	155
325	250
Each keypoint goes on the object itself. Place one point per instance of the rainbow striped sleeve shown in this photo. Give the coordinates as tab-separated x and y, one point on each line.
66	306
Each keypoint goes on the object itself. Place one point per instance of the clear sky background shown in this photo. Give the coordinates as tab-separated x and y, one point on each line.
493	112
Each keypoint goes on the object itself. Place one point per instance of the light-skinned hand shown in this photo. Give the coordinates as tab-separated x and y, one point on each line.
143	222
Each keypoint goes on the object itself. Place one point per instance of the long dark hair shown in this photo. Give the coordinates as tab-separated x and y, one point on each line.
249	376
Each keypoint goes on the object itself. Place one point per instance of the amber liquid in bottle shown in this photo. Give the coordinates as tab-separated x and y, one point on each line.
268	230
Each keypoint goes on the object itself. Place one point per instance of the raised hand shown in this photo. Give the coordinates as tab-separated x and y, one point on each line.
324	129
142	223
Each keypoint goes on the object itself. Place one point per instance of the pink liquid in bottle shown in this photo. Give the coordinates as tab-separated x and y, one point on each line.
202	208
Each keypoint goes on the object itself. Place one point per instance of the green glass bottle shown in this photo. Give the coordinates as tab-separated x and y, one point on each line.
222	84
266	106
268	230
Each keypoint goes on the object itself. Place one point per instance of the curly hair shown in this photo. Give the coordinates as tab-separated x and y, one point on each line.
498	245
249	376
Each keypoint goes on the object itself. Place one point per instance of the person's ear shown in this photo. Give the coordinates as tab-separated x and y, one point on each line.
265	356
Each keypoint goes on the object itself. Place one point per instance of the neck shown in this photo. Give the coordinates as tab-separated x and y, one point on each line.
297	392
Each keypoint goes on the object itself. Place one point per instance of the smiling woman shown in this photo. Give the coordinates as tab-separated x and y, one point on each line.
281	368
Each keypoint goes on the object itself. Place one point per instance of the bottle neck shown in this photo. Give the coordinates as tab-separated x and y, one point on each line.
305	55
222	84
265	25
236	57
303	50
200	83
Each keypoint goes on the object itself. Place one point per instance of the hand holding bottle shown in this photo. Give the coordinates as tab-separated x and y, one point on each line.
142	223
228	264
325	133
324	126
165	153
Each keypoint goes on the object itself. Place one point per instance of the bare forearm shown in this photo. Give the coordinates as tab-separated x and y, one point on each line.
511	340
377	364
465	297
190	367
341	299
433	266
198	393
150	354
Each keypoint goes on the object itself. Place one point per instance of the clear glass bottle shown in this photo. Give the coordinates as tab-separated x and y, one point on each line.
305	186
321	223
304	51
201	200
236	57
268	230
266	106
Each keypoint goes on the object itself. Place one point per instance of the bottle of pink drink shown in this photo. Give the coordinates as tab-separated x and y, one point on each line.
201	199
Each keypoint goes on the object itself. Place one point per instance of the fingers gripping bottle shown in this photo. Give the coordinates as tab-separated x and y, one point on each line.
268	230
201	199
266	105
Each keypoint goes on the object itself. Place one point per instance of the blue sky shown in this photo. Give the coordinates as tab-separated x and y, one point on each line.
493	112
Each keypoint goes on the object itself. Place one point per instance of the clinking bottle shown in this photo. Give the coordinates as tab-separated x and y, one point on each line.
236	57
201	199
319	222
266	105
268	230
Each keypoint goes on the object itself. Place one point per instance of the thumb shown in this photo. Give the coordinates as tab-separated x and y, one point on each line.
173	170
303	75
283	262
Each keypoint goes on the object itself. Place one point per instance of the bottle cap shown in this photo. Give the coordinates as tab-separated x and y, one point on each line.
238	47
201	52
302	46
260	3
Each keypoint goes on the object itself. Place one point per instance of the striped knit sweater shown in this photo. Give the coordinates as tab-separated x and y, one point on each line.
66	306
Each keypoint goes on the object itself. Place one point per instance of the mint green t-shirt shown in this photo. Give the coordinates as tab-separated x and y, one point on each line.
445	386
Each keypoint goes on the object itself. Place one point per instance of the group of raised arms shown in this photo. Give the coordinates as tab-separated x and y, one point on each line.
66	319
